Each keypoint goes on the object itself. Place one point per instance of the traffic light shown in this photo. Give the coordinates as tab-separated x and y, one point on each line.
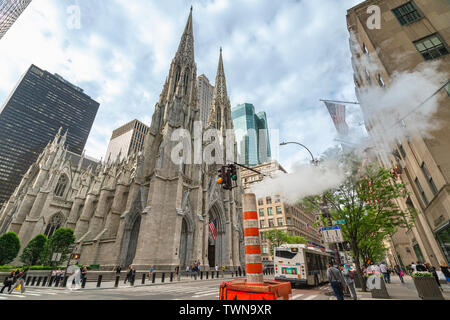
233	172
221	176
76	256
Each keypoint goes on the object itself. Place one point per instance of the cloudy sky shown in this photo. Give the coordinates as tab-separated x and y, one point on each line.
281	56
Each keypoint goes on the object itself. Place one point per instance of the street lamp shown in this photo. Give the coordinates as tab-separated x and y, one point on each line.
324	207
314	161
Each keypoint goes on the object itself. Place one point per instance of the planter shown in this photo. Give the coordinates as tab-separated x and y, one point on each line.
381	293
427	288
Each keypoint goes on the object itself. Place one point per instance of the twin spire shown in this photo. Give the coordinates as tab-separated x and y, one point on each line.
186	46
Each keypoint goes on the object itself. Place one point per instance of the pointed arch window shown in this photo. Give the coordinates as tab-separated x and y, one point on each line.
61	185
186	80
219	118
177	76
54	224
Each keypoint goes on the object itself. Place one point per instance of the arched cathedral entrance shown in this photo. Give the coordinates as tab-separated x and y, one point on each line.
217	247
133	239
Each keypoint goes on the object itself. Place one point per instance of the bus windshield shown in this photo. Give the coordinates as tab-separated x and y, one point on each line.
285	254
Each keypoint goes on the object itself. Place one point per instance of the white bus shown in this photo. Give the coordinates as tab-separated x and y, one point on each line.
300	264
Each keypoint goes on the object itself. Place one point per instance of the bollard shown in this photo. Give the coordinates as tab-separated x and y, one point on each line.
218	274
99	281
212	275
162	277
28	280
44	281
143	278
116	284
154	277
39	281
207	275
171	277
201	275
83	282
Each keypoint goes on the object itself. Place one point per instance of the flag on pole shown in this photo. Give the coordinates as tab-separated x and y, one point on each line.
337	112
213	228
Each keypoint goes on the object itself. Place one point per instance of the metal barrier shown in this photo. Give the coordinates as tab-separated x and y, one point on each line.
28	280
44	281
39	281
52	278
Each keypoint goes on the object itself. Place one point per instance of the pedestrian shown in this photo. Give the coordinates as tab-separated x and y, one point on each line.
9	280
177	269
83	274
20	281
128	276
217	268
187	268
336	281
118	270
385	272
420	267
150	271
133	275
349	278
413	267
399	272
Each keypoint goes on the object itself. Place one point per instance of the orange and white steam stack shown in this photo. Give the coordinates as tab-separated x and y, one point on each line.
252	243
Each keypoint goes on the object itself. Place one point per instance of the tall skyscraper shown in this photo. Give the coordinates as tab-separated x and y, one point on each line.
39	106
205	96
10	10
126	140
252	134
414	35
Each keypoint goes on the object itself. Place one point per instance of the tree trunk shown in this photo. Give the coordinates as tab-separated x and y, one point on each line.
358	267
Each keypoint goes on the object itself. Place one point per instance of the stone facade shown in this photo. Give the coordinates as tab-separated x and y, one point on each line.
424	161
144	210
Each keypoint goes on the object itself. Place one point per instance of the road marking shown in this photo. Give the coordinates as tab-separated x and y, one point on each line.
205	294
43	292
32	294
14	295
297	296
310	297
3	298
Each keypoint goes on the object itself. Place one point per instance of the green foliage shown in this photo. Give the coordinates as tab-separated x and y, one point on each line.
9	247
278	237
59	242
31	255
367	201
11	268
421	274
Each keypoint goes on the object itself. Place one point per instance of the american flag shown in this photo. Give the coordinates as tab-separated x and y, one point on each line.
337	112
213	228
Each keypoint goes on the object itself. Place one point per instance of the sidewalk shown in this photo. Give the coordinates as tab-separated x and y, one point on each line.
401	291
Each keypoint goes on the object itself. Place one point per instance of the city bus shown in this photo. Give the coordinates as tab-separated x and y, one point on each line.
300	264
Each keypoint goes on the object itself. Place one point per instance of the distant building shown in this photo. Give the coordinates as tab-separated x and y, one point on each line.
419	32
41	104
126	140
205	96
10	10
252	134
273	213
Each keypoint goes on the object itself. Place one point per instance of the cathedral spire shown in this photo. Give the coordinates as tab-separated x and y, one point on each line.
220	105
185	50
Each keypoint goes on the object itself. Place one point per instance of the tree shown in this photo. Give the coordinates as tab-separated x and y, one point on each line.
367	201
31	255
59	242
278	237
9	247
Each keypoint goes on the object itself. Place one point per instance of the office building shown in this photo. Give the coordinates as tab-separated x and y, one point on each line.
10	10
252	135
412	35
38	107
126	140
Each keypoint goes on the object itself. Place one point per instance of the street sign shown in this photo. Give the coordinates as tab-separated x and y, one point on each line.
339	222
332	234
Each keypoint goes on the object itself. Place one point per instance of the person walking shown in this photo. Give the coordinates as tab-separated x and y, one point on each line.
336	281
9	280
118	270
20	280
385	272
349	278
399	272
133	275
150	271
128	276
83	274
420	267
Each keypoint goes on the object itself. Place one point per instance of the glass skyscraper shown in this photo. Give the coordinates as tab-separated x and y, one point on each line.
39	106
10	10
252	135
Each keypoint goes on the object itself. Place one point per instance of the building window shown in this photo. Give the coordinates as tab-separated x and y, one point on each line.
61	185
288	221
268	200
269	211
447	88
429	178
262	224
260	201
419	187
277	198
280	221
365	49
431	47
279	210
265	250
54	224
271	223
368	77
261	212
400	147
407	13
443	238
262	236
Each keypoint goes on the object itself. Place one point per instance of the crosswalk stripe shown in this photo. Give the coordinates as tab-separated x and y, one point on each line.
32	294
310	297
297	296
3	298
203	295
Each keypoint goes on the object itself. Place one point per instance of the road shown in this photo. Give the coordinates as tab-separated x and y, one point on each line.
198	290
